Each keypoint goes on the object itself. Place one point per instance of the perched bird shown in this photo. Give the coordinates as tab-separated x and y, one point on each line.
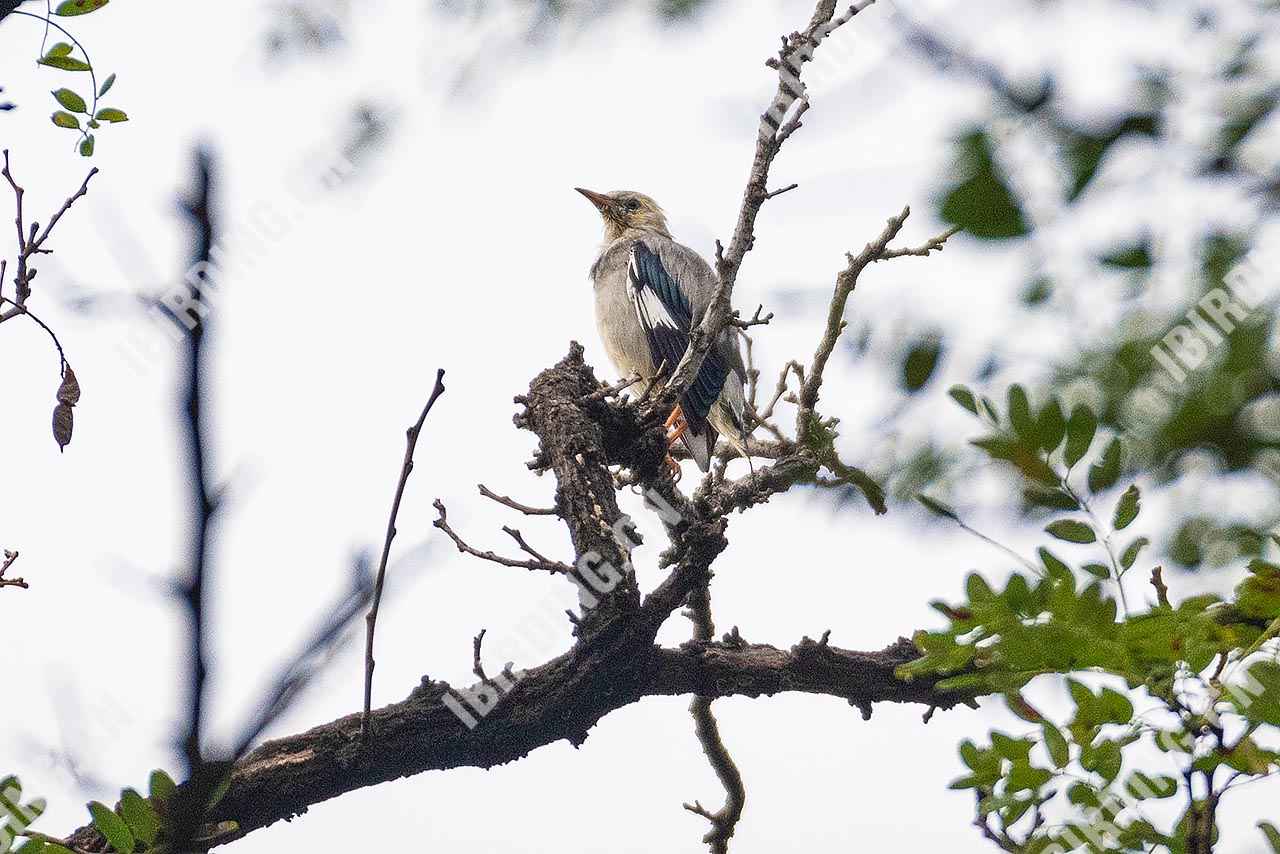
650	292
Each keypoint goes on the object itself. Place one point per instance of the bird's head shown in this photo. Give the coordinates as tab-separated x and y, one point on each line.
624	210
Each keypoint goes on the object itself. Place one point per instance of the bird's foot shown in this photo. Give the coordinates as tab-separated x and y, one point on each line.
676	471
676	425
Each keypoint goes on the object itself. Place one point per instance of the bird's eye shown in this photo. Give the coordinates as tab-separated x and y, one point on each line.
632	204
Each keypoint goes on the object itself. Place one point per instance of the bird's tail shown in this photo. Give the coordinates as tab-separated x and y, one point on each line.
702	446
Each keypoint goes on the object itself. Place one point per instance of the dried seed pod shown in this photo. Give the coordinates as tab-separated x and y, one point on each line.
63	421
69	391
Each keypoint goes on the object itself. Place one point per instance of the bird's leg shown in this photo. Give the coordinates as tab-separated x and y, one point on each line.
676	426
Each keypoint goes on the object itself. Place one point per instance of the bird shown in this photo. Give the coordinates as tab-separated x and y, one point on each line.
650	291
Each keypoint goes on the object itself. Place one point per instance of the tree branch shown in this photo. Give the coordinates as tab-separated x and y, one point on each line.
406	468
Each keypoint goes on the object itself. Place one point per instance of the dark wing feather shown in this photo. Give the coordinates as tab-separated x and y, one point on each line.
666	315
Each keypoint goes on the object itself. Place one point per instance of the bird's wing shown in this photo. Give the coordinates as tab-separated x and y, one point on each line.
665	311
699	281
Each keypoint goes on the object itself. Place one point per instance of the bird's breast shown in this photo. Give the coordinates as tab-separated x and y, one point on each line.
620	331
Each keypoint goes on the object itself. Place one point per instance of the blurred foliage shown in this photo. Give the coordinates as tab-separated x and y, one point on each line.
1212	410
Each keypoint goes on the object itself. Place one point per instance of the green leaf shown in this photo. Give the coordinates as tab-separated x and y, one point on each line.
1131	258
1056	743
1055	499
1054	567
1257	697
31	846
1115	707
71	8
981	203
1105	758
1130	554
937	508
110	114
86	146
1051	425
1107	470
963	396
71	100
1127	508
141	817
920	363
1072	531
112	827
1143	787
1023	709
59	49
1080	429
162	785
1020	413
1258	595
66	63
1273	836
65	120
107	84
1097	570
11	783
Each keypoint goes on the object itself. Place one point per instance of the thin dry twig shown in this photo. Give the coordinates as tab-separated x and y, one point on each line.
9	558
779	121
411	443
725	820
477	667
31	239
538	564
755	320
1157	581
516	505
607	391
515	534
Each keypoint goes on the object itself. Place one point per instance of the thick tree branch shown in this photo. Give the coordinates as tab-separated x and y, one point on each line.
559	700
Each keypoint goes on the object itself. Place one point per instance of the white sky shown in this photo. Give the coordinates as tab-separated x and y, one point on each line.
461	245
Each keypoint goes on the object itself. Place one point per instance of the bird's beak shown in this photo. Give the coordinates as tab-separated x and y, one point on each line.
602	202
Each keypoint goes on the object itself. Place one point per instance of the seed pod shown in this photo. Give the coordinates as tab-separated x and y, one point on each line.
63	421
69	391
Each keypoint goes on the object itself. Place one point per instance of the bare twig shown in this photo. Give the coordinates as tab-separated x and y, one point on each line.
538	564
1162	589
755	320
31	240
785	189
524	546
725	820
516	505
477	667
607	391
406	468
845	283
9	558
24	310
778	122
934	244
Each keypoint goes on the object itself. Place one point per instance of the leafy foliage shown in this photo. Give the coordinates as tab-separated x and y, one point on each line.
1198	680
78	113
